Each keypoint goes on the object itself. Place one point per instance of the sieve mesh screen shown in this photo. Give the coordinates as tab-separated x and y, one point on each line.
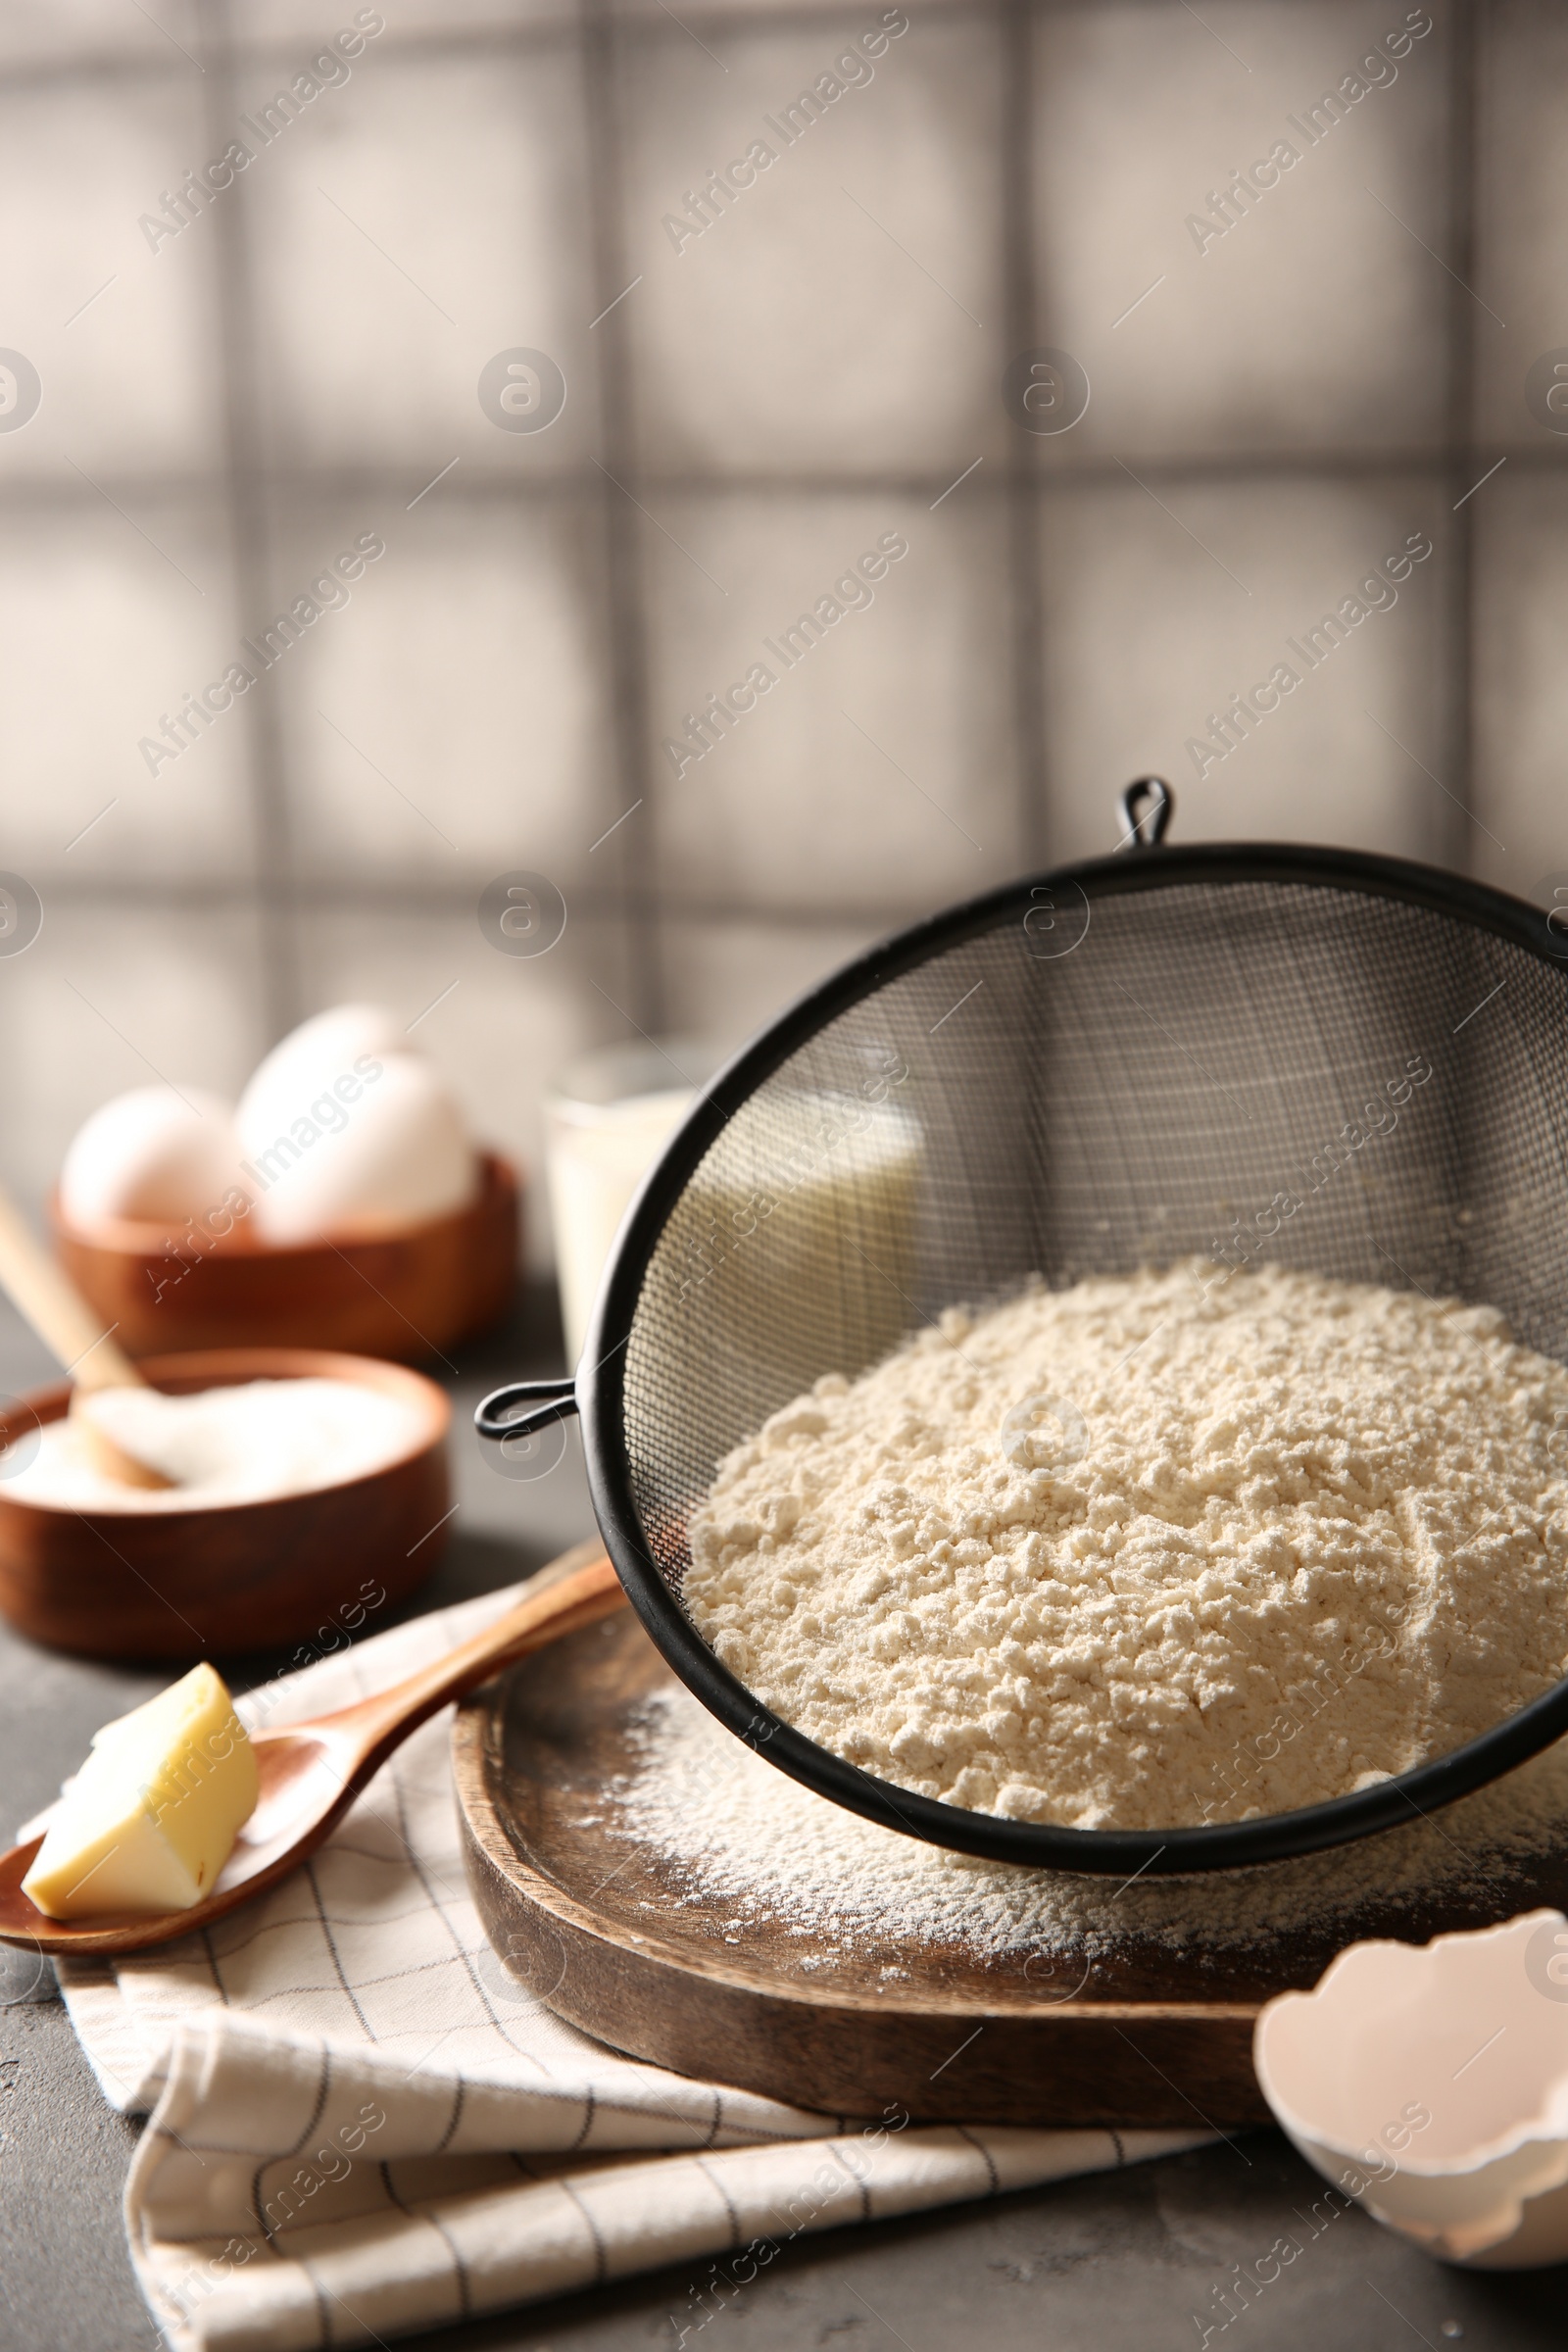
1085	1088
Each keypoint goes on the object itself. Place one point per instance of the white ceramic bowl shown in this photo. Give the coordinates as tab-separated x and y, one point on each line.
1430	2083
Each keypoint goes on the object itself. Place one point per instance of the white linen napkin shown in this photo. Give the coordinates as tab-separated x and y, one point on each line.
361	2126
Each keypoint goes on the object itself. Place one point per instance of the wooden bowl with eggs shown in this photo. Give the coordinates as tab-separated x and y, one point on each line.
187	1581
341	1203
213	1283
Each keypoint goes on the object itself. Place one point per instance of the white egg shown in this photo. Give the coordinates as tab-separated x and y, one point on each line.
380	1148
320	1050
152	1153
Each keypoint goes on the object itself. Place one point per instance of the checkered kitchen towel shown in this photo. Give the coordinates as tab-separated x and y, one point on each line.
361	2126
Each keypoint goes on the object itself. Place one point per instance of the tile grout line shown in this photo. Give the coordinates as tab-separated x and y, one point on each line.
1032	777
623	550
1262	467
271	896
478	40
415	897
1463	114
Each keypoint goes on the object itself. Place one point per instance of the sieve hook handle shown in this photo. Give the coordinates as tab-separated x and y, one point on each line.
546	1400
1147	807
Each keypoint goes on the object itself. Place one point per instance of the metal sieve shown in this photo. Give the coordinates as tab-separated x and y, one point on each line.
1123	1062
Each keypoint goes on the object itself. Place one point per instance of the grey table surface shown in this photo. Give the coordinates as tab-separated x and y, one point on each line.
1136	2261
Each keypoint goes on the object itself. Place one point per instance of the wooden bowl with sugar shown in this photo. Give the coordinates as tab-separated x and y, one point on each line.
188	1582
407	1295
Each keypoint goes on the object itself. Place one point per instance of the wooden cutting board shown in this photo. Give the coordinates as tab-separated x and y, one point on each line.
1147	2037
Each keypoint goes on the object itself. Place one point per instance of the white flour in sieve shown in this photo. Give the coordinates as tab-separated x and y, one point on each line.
1138	1555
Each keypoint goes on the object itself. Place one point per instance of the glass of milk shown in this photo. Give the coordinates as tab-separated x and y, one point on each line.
607	1118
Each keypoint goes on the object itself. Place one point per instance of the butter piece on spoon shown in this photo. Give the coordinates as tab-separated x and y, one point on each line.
153	1815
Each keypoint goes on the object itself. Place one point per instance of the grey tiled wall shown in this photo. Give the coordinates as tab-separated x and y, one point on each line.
1272	410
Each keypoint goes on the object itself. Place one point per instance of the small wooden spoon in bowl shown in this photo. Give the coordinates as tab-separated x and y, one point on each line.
70	1329
310	1773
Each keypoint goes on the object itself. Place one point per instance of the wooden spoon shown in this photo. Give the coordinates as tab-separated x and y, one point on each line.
73	1334
312	1772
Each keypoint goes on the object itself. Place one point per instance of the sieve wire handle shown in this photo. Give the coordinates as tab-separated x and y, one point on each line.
546	1400
1147	807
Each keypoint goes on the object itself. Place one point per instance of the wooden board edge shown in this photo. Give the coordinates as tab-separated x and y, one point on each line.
1059	2065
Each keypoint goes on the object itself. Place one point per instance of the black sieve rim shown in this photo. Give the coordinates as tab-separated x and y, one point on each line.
597	1395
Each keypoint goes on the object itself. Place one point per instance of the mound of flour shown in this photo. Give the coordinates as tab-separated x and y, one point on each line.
1138	1555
